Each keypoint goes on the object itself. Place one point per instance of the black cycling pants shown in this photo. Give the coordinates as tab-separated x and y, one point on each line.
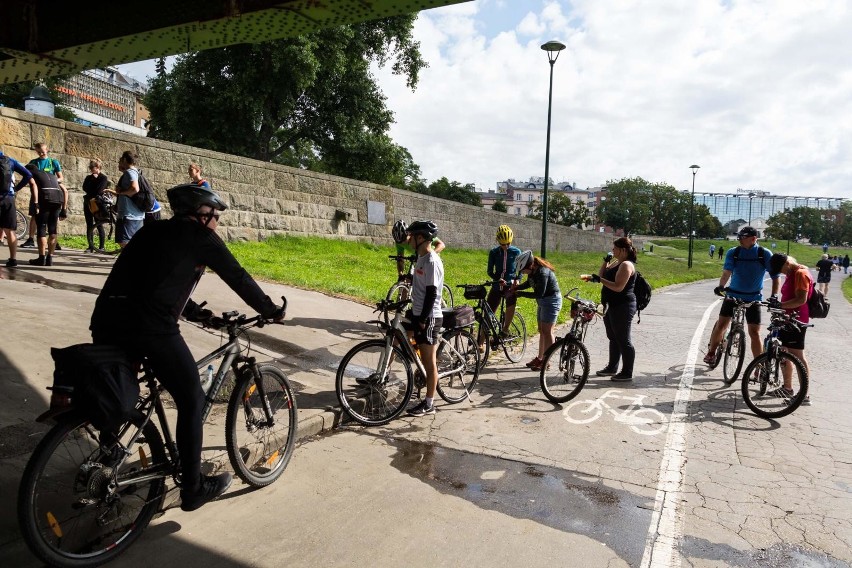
92	224
47	220
174	366
617	321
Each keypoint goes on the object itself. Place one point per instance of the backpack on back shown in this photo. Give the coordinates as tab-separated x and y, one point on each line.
818	304
642	290
5	174
144	198
49	192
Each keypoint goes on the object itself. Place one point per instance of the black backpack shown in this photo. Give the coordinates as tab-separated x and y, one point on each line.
144	198
760	255
642	290
818	304
5	174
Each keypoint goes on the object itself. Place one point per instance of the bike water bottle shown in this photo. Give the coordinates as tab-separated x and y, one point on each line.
207	379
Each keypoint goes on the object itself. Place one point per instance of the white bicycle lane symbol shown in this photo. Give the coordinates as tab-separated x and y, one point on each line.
646	421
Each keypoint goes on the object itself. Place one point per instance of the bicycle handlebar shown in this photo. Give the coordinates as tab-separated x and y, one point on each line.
409	258
233	319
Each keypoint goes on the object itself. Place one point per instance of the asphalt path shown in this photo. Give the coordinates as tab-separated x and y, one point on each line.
670	470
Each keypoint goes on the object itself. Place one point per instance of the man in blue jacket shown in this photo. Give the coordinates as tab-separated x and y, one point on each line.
8	212
745	267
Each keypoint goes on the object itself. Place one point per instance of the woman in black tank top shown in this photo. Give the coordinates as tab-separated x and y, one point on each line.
617	277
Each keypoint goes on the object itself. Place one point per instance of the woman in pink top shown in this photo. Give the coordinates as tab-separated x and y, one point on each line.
794	298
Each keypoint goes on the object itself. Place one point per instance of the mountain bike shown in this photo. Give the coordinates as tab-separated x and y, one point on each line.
731	351
401	289
86	496
489	330
763	381
565	365
376	378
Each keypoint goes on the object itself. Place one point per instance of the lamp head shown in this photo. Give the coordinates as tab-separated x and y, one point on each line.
694	169
553	48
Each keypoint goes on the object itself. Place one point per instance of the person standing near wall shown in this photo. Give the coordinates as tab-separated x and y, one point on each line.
130	217
93	186
8	212
43	163
194	171
52	206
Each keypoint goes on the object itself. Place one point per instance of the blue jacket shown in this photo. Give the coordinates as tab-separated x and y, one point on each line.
25	174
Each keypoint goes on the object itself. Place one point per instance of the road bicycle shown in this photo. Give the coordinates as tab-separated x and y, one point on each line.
731	351
86	496
647	421
489	326
763	381
565	365
401	289
376	378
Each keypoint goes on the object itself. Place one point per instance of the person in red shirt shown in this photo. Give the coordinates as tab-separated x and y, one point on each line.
794	298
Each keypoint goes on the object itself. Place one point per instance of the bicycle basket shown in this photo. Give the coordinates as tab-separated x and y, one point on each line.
583	311
474	292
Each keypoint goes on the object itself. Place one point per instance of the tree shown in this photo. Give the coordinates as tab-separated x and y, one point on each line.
308	101
669	212
797	222
562	211
452	190
707	225
500	206
627	205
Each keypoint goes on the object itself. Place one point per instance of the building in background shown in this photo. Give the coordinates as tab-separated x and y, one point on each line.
519	196
106	98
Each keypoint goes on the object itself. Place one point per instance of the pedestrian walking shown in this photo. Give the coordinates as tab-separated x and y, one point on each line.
824	267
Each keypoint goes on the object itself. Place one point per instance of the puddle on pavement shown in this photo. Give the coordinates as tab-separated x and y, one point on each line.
555	497
23	276
776	556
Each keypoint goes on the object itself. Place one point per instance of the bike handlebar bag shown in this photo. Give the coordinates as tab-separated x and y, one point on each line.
460	316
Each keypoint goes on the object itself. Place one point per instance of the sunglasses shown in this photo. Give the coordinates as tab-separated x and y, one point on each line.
210	215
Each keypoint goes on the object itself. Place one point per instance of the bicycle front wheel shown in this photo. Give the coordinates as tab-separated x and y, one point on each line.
515	344
23	225
369	393
398	292
447	298
261	425
734	356
564	370
483	339
763	385
464	359
69	509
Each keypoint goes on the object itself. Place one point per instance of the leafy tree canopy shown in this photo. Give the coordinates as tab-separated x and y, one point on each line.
446	189
832	226
562	211
500	206
308	101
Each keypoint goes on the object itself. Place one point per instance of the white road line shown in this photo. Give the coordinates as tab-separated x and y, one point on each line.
666	522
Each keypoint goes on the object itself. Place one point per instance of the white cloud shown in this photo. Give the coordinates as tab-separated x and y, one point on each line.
756	93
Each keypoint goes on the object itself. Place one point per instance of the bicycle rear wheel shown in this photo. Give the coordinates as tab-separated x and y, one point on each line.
447	297
564	370
734	356
399	291
455	387
68	511
763	384
366	394
515	344
260	446
480	332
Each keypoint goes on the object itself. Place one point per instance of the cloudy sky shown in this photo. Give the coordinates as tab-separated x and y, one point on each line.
757	93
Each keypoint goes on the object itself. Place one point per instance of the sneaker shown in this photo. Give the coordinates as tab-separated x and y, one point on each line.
48	260
807	401
710	359
39	261
621	378
28	244
11	263
89	250
211	487
606	372
535	364
101	250
373	379
421	409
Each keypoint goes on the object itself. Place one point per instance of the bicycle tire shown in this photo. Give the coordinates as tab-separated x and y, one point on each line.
60	498
564	370
373	400
515	345
760	388
23	225
481	334
455	388
734	356
399	291
259	452
447	300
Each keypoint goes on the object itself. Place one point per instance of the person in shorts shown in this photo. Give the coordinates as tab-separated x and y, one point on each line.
48	215
425	315
501	271
402	240
546	292
130	218
744	268
8	212
794	298
824	267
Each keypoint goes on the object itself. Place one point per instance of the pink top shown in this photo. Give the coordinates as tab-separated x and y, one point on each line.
799	280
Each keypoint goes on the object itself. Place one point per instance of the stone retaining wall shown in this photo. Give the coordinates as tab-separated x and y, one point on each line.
268	199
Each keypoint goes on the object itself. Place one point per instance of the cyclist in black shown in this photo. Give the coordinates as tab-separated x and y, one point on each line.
147	291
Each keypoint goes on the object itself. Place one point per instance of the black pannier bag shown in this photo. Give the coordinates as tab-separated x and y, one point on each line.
98	380
460	316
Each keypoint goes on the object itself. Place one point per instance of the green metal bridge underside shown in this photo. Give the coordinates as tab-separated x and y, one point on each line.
43	38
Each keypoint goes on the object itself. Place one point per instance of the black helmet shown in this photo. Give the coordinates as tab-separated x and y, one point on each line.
398	231
185	199
427	228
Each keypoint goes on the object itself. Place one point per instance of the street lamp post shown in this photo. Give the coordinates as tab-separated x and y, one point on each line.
552	48
750	197
694	169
